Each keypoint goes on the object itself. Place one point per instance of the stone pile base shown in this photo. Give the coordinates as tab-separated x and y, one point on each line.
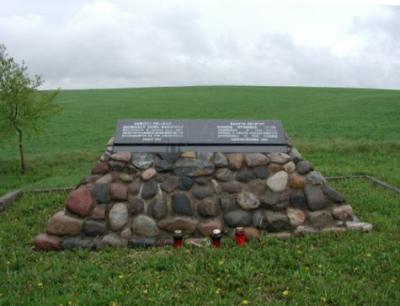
139	199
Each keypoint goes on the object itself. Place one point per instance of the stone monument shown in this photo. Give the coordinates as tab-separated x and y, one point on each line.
157	176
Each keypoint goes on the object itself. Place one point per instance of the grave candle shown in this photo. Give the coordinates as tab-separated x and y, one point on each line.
240	236
178	239
216	238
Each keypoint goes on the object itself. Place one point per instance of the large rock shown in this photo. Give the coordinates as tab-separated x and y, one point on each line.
99	212
113	240
80	201
298	200
235	160
296	216
245	175
228	203
170	184
61	224
72	243
277	221
247	201
181	204
118	216
224	174
105	179
119	191
296	181
279	158
255	159
45	242
238	218
208	207
303	167
201	192
93	228
193	167
100	168
101	193
121	157
148	174
134	187
261	172
332	194
316	178
163	166
185	183
144	226
315	197
149	189
289	167
142	161
187	225
343	212
278	181
231	187
135	206
321	218
220	160
170	157
207	226
158	208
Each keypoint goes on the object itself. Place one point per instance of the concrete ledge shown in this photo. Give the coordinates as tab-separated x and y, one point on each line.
9	198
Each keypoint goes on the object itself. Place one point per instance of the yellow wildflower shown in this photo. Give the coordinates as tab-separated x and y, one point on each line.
245	302
285	293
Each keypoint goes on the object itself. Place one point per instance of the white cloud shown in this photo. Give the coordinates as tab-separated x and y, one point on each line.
88	44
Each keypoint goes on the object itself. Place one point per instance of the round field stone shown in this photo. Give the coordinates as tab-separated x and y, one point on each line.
100	168
158	208
235	160
148	174
149	189
255	159
277	221
163	166
238	218
119	191
260	172
315	197
279	158
187	225
316	178
228	203
231	187
113	240
201	192
124	157
72	243
193	167
170	157
247	201
181	204
278	181
188	154
126	177
116	166
170	184
185	183
98	212
303	167
105	179
101	193
208	207
61	224
134	187
144	226
142	161
45	242
321	218
295	154
224	174
93	228
296	181
296	216
343	213
80	202
220	160
298	200
332	194
259	220
135	206
289	167
245	175
118	216
252	233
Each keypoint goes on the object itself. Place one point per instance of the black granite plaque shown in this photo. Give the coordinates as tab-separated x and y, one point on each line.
199	135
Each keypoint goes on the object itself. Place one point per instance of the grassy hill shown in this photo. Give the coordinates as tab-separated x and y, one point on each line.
342	131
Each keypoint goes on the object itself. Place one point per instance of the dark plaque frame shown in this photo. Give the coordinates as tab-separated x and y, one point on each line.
163	135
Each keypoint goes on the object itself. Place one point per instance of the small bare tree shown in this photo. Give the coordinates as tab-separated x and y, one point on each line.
23	109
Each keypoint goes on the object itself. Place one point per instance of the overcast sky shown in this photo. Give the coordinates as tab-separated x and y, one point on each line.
121	43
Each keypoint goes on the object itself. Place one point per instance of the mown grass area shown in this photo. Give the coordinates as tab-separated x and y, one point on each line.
342	131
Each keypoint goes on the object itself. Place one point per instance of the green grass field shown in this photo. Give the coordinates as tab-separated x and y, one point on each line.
342	131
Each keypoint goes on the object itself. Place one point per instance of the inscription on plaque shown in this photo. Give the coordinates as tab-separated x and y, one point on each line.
199	135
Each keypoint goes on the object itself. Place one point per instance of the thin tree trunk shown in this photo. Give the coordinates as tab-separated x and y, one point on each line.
21	151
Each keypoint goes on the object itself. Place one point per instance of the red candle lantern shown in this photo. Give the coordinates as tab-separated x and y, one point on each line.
240	236
216	238
178	239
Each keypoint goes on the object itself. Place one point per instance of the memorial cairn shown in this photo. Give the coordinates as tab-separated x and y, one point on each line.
190	178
